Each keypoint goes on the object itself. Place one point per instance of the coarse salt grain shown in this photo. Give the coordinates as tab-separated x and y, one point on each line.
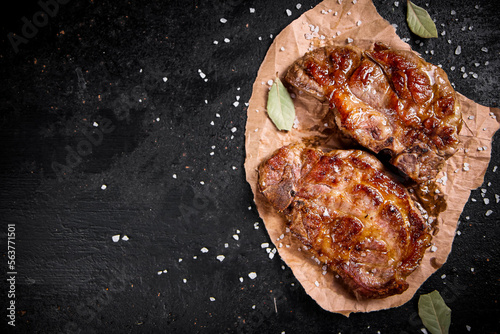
204	250
252	10
220	257
115	238
264	245
212	299
288	12
489	212
165	79
103	187
125	238
252	275
236	237
223	20
316	283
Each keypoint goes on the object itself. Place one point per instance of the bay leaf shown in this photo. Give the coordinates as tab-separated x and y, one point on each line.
420	22
435	314
280	106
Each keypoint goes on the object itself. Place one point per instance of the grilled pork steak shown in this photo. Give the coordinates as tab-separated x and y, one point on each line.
350	213
387	100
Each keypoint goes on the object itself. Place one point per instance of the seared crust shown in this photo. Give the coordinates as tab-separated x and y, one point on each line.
352	215
385	99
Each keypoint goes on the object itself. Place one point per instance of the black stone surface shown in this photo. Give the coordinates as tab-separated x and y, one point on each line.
105	62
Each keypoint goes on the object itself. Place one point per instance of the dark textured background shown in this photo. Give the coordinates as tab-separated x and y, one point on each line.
104	61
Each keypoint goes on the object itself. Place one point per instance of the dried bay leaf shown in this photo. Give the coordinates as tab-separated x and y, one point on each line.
420	22
280	106
434	312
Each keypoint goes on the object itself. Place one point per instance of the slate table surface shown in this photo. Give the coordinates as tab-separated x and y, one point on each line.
117	119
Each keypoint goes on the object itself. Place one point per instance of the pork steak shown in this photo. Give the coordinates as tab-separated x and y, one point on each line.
386	100
353	215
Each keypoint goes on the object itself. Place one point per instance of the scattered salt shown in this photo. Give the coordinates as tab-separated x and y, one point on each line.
252	275
212	299
115	238
220	257
489	212
288	12
204	250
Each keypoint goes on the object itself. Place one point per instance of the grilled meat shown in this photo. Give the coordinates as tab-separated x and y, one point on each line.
351	214
387	100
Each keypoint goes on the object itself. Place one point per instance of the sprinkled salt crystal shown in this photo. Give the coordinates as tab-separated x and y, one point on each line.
458	50
433	248
271	255
472	269
212	299
212	153
241	279
316	283
252	275
236	103
204	250
223	20
212	123
236	237
115	238
165	79
423	330
184	280
471	117
358	23
103	187
467	326
484	49
159	272
270	82
95	124
497	198
495	169
202	75
264	245
298	6
216	42
180	259
453	12
227	40
220	257
489	212
443	276
202	182
268	250
396	3
466	166
326	213
486	201
233	129
125	238
349	40
252	10
459	233
217	115
256	226
288	12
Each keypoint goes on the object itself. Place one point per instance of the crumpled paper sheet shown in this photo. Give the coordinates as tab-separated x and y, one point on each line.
360	22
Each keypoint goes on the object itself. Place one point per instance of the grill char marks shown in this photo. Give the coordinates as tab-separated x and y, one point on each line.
351	214
388	100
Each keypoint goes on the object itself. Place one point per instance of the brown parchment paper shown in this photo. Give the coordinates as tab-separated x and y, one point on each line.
360	24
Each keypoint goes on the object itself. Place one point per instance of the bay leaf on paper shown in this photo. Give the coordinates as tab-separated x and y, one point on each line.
434	312
280	106
420	22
